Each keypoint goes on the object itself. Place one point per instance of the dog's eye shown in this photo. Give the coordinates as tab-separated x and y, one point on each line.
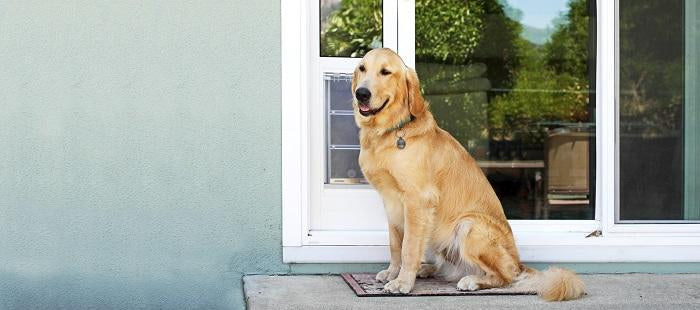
385	72
362	68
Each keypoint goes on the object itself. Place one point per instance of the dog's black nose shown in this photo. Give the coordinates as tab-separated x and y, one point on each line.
363	94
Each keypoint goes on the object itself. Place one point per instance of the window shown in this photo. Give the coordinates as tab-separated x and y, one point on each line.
350	28
518	94
658	111
581	113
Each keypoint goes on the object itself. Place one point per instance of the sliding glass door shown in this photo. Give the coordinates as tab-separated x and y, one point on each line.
528	88
658	111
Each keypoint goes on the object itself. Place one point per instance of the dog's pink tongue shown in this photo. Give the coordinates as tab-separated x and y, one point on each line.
364	108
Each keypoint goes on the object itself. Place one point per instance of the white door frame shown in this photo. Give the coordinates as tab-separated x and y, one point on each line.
537	240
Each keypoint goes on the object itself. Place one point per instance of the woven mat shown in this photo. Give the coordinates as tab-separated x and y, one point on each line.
364	285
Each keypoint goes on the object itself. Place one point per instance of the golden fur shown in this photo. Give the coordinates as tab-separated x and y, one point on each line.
437	200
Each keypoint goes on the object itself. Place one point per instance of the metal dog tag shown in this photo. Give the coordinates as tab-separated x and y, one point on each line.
400	143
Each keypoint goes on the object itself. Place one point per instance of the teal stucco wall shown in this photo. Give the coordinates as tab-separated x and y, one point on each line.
140	154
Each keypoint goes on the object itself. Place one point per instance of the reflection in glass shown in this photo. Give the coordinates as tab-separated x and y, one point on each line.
657	110
350	28
512	82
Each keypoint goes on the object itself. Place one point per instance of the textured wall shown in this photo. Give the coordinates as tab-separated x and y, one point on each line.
139	151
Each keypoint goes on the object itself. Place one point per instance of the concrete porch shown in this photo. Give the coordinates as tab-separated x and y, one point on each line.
605	291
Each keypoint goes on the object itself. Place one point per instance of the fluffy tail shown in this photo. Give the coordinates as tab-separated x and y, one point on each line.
553	284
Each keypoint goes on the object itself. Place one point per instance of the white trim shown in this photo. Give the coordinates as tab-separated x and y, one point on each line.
606	87
690	230
338	64
407	35
578	250
553	226
531	228
389	24
316	116
534	247
293	63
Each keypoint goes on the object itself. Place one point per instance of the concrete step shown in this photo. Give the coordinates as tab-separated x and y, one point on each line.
605	291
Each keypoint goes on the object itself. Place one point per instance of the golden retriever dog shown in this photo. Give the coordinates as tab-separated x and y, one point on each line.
437	200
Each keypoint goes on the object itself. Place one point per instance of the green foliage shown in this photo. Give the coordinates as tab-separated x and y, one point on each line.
463	32
500	46
651	67
353	29
447	30
567	51
551	85
459	101
541	95
457	84
550	81
463	115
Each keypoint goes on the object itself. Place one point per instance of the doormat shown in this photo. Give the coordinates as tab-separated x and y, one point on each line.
364	285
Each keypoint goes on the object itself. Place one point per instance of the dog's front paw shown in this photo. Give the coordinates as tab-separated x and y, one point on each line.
468	283
397	286
387	275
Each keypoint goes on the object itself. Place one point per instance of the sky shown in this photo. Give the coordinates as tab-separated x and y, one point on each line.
539	13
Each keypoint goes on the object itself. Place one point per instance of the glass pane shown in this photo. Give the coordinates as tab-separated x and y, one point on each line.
512	80
343	144
344	131
344	168
350	28
658	110
339	91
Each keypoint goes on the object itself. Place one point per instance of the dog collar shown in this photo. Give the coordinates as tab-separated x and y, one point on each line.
401	124
400	142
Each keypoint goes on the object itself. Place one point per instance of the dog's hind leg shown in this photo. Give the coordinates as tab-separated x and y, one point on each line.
429	266
426	270
498	271
498	265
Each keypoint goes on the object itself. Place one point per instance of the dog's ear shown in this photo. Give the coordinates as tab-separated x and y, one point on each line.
416	103
354	82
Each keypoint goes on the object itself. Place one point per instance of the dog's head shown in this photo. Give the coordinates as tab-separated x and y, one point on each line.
385	90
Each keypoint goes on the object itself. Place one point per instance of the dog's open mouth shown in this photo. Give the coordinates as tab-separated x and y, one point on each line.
365	110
